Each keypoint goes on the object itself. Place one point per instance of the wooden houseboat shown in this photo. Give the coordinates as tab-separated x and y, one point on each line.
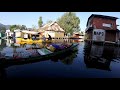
101	28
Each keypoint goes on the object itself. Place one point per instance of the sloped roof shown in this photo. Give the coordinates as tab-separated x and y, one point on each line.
102	16
53	26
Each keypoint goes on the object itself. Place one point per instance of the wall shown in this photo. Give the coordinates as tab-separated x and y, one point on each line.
17	34
51	33
98	22
54	34
59	34
110	36
88	35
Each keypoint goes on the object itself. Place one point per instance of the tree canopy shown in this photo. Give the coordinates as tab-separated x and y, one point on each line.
69	22
21	27
40	22
3	30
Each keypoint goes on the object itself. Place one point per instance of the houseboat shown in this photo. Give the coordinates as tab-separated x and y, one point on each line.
101	28
25	36
8	34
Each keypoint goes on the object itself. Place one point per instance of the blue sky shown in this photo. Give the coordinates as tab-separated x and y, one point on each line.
31	18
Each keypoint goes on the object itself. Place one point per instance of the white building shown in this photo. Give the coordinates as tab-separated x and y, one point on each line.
17	33
8	34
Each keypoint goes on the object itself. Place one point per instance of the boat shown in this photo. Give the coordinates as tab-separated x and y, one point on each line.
30	41
44	54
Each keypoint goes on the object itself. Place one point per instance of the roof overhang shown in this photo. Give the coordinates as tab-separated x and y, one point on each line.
30	32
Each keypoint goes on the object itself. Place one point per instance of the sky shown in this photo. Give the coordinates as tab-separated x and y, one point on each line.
31	18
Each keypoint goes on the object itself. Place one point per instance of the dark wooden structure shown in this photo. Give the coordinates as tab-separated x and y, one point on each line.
101	28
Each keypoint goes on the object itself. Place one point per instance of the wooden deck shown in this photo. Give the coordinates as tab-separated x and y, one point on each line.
104	42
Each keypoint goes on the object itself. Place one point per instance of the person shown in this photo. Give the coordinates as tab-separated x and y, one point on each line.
49	38
43	37
33	37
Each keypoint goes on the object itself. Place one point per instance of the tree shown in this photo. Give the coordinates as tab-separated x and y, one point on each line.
3	30
40	22
69	22
13	27
21	27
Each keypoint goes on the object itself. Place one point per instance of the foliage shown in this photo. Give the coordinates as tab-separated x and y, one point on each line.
2	30
69	22
40	22
14	27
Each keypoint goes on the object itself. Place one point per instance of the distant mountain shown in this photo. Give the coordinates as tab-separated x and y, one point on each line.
6	26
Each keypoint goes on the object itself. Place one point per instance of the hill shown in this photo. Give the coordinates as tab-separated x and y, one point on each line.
4	26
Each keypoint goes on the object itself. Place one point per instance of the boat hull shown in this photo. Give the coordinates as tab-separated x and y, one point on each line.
9	62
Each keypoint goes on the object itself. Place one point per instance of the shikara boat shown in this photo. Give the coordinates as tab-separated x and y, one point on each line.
44	53
30	41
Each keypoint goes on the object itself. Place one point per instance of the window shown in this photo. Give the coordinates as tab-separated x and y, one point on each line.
94	33
107	25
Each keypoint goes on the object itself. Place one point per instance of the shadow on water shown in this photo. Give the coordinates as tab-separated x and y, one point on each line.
100	56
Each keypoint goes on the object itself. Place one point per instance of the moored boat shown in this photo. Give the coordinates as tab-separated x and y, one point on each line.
42	54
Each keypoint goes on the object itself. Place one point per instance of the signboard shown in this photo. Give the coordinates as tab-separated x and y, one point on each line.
98	35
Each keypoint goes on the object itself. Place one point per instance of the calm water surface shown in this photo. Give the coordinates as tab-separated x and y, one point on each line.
87	61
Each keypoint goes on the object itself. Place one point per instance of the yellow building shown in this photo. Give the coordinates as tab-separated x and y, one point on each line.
53	29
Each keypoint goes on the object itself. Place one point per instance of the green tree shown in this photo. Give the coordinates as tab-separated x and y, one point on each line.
69	22
40	22
3	30
13	27
21	27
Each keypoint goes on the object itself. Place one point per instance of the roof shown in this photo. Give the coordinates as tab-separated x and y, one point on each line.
102	16
29	32
53	26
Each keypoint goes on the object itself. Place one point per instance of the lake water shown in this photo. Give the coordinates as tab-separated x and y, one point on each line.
87	61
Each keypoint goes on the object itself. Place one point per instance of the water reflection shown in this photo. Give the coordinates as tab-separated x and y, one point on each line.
9	48
14	49
99	56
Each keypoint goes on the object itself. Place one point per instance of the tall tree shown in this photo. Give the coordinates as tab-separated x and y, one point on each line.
69	22
40	22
